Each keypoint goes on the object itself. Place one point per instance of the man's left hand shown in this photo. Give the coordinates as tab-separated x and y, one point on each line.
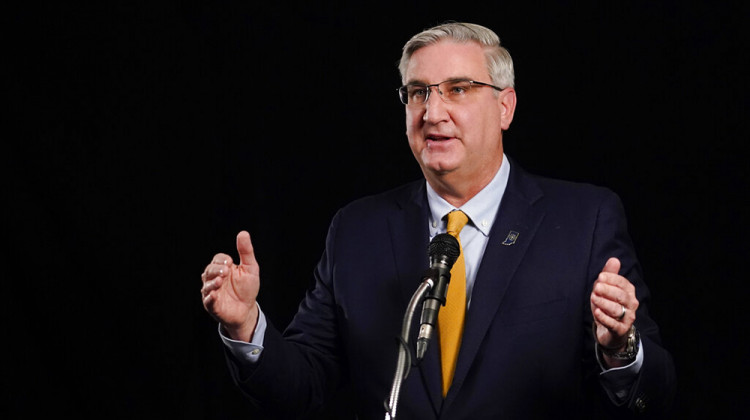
613	304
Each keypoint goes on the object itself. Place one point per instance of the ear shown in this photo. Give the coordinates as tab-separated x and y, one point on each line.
507	101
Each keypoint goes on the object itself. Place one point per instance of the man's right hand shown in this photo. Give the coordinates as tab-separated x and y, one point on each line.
229	291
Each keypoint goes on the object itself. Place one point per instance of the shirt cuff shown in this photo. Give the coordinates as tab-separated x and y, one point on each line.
243	350
617	381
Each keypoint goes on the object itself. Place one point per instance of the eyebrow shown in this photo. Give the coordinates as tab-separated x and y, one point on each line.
452	79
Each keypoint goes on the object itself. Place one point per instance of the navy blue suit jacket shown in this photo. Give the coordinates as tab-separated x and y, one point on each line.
527	349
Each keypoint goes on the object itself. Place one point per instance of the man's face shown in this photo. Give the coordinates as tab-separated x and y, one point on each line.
457	142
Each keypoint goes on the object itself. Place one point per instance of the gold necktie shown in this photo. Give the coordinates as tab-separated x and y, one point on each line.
451	317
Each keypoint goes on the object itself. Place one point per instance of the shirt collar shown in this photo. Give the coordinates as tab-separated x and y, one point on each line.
481	209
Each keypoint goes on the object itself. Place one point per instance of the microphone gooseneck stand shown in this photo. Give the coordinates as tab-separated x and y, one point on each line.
404	356
443	252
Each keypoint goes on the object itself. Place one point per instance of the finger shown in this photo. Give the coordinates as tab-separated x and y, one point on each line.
211	285
611	266
616	326
616	288
213	271
218	265
245	248
612	292
612	308
222	259
208	302
617	281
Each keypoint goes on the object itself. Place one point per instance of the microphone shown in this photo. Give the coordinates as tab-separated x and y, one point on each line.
443	252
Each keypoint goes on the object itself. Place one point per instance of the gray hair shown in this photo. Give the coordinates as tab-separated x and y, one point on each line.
499	62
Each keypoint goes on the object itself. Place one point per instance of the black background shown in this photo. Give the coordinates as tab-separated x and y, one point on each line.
144	135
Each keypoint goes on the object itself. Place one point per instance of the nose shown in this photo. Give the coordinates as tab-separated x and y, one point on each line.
435	109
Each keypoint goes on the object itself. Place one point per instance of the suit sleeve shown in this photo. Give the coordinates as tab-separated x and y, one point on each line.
299	369
652	392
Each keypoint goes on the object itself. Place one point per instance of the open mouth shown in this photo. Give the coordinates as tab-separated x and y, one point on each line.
437	137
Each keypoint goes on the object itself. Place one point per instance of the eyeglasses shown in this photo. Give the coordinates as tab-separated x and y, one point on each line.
451	91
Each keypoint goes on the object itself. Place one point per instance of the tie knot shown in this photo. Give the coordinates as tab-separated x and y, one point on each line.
456	221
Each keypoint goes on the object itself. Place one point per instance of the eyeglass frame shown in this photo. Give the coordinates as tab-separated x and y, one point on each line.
440	94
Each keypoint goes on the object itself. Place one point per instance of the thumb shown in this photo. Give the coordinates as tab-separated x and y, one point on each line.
245	248
612	266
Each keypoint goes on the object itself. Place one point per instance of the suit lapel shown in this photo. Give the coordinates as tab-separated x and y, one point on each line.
410	237
499	264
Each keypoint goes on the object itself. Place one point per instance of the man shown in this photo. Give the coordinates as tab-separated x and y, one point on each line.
552	308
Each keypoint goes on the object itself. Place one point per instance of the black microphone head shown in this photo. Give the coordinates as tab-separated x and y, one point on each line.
444	247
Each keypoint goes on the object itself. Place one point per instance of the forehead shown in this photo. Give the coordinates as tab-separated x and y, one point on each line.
445	60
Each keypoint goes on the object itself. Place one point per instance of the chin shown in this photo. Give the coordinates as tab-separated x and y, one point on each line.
440	164
439	168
